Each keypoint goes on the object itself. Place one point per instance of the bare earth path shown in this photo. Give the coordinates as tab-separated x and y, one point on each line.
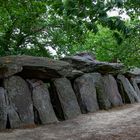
117	124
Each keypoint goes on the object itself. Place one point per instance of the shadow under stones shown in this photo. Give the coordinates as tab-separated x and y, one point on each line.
56	102
122	92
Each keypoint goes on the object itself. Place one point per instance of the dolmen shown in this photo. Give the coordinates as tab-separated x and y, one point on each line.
39	90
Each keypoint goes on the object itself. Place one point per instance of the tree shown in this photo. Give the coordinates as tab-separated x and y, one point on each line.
77	28
21	25
70	20
106	48
68	26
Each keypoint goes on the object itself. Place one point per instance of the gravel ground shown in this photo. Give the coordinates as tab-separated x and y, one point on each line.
122	123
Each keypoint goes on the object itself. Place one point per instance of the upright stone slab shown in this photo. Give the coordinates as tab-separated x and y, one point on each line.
86	93
42	102
20	110
102	97
13	117
3	109
67	98
135	83
128	89
111	89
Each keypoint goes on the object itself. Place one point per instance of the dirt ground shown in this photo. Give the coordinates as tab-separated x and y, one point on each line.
121	123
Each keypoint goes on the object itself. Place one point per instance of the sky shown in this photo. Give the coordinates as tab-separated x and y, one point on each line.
115	12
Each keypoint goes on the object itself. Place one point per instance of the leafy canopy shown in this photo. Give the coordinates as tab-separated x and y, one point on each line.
70	26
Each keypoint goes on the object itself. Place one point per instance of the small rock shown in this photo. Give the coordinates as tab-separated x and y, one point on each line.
86	55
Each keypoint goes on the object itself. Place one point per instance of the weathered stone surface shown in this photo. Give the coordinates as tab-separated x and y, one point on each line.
135	82
35	67
74	74
86	56
7	70
3	109
111	89
42	102
89	65
129	91
67	98
102	97
133	72
13	117
20	110
86	93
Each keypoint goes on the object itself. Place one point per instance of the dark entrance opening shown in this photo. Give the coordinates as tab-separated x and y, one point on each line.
139	85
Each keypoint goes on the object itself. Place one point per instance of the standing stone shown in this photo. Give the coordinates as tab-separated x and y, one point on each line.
135	83
13	117
20	110
112	91
3	109
102	97
86	93
67	98
128	89
42	102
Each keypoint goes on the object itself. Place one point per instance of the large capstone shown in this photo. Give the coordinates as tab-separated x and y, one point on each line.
20	108
35	67
88	64
3	109
86	93
41	102
112	92
67	98
127	91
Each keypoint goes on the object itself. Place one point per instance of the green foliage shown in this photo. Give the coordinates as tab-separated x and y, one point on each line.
21	24
131	45
70	26
106	48
132	8
74	18
78	29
